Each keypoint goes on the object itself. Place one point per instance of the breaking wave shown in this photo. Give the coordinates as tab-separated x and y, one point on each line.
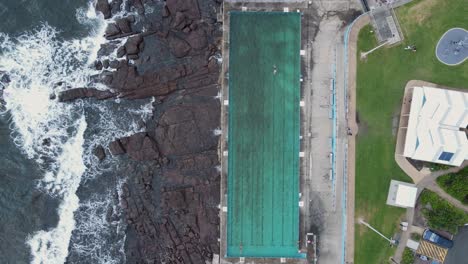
39	65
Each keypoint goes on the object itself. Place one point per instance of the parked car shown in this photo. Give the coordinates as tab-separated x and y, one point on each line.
437	239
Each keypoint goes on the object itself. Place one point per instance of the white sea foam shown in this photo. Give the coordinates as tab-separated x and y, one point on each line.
92	228
217	132
114	121
97	24
96	227
47	131
39	64
52	246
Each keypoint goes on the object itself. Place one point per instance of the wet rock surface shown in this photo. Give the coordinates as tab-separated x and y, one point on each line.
100	153
104	7
171	196
79	93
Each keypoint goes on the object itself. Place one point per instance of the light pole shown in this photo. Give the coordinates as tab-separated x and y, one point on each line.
364	54
392	241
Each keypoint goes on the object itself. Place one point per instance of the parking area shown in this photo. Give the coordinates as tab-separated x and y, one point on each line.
457	254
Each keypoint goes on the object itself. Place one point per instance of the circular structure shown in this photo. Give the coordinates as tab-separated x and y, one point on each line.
452	48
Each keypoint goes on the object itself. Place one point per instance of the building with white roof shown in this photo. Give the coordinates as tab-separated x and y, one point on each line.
437	125
402	194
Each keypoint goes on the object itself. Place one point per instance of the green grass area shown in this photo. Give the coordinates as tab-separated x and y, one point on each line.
456	184
381	80
263	169
441	214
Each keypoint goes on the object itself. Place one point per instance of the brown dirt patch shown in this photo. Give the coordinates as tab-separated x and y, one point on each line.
363	128
366	215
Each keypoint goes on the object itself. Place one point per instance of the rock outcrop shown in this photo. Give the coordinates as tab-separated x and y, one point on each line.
179	47
104	7
139	147
79	93
172	194
100	153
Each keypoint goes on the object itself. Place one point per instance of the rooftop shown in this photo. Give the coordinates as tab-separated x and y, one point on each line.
436	126
402	194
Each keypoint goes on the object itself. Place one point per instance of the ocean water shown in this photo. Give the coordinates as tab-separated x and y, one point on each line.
58	203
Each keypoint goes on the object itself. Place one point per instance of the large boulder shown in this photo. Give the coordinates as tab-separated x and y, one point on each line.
121	52
197	39
184	129
179	21
116	148
132	45
112	30
79	93
140	147
178	47
189	7
124	25
166	12
103	7
100	153
116	6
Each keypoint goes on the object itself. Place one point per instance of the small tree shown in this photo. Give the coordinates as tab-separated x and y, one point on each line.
441	214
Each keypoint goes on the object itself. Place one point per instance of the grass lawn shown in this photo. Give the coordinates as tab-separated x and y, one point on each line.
380	84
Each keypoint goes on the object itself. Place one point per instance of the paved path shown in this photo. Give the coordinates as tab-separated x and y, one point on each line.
351	118
327	194
433	186
325	209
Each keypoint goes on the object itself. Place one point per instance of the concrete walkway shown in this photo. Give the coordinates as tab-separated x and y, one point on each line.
433	186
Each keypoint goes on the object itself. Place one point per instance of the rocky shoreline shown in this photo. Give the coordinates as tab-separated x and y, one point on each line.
172	194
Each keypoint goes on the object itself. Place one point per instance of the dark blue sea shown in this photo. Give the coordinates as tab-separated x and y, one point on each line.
58	203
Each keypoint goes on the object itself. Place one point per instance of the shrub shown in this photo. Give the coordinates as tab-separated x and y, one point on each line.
415	236
408	257
441	214
438	167
456	184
